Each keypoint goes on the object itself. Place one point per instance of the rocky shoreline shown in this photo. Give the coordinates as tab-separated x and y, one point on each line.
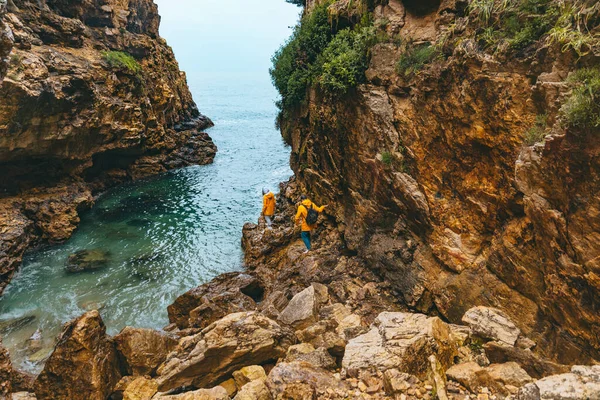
257	335
92	97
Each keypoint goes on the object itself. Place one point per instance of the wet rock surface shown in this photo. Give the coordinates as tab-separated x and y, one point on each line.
87	260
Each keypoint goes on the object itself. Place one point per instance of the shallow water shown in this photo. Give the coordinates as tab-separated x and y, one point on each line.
170	233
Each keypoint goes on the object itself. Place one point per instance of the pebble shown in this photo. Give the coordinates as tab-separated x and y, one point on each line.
362	387
483	396
428	387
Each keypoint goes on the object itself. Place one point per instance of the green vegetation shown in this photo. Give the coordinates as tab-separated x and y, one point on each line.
318	54
387	158
516	25
121	60
582	109
415	58
537	132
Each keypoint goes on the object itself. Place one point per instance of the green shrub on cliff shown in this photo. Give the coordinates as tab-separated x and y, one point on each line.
119	59
294	63
415	58
582	108
346	59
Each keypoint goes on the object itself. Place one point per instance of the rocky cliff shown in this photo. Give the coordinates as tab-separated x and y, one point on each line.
452	162
92	97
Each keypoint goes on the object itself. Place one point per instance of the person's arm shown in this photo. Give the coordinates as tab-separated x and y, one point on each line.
264	206
319	209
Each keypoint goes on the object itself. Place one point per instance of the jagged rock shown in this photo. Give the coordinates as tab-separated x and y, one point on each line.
216	393
6	371
143	350
581	383
438	377
403	341
298	380
87	260
396	382
305	352
249	374
304	307
491	323
226	294
498	376
84	364
140	388
223	347
229	386
23	396
255	390
535	366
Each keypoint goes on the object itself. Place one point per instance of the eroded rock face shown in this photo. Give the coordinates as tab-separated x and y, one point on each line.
75	120
402	341
238	340
84	364
143	350
492	324
463	213
581	383
226	294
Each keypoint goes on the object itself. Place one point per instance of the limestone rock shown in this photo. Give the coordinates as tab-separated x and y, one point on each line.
84	364
537	367
298	380
396	382
255	390
305	352
403	341
140	389
249	374
143	350
496	376
226	294
216	393
223	347
304	307
23	396
581	383
230	387
491	323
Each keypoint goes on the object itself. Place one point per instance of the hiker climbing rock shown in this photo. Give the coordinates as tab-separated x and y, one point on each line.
268	210
307	215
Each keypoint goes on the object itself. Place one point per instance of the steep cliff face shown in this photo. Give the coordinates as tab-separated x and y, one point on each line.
6	42
92	97
433	184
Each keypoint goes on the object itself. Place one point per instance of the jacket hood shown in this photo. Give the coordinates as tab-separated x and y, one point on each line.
306	202
270	195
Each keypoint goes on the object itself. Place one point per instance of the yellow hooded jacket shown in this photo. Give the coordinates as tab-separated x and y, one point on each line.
268	204
303	212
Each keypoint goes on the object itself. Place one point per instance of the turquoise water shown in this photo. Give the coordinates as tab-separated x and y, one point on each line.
170	233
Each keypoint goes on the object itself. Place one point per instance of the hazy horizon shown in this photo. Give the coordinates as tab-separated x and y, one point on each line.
203	41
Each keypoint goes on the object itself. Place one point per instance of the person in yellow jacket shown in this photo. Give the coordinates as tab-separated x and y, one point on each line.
268	210
301	218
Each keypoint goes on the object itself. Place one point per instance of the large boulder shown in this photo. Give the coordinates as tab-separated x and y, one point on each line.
226	294
299	380
140	388
143	350
496	376
581	383
491	323
216	393
255	390
84	364
403	341
233	342
303	309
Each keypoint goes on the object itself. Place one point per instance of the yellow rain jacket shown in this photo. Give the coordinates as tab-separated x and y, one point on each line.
303	212
268	204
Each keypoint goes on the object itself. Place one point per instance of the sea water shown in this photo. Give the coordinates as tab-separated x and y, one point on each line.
165	235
